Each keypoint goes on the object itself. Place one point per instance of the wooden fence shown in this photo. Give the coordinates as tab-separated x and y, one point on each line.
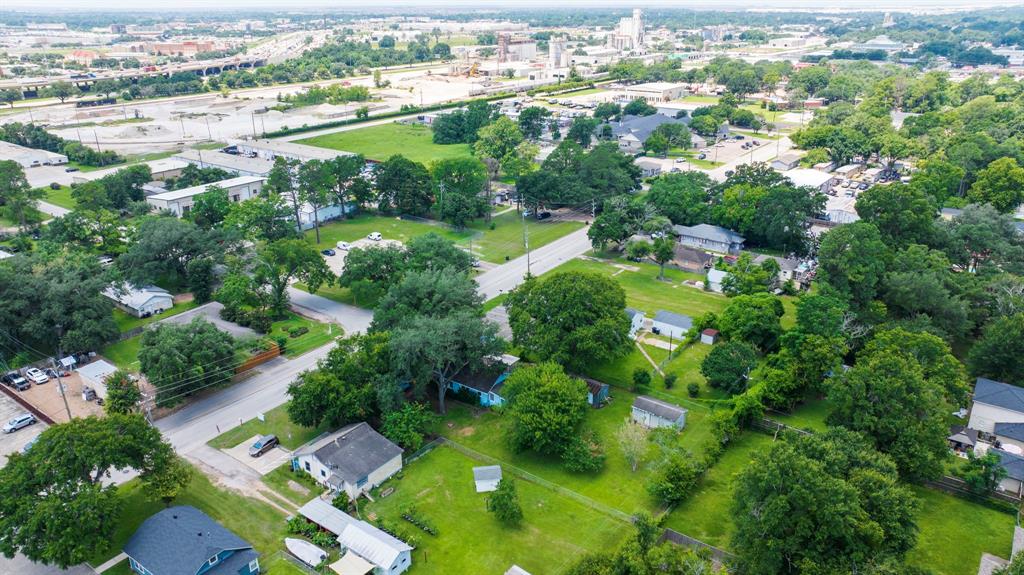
259	358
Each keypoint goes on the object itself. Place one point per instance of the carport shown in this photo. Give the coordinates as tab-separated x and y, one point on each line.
351	564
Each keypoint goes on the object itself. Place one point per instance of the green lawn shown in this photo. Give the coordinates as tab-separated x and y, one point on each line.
121	568
60	197
275	421
705	515
252	520
809	415
506	240
413	141
616	485
127	322
124	354
319	334
555	531
391	228
955	532
278	481
619	371
700	99
691	158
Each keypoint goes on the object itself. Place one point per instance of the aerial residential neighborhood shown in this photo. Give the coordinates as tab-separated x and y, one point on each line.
511	289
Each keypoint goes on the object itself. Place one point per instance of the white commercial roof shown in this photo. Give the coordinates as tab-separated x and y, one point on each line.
655	86
166	165
278	147
135	298
229	162
96	374
808	177
202	188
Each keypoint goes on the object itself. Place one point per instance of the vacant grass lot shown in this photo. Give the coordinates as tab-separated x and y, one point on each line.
555	530
317	334
128	322
275	421
391	228
278	481
413	141
506	240
61	197
616	485
955	532
124	354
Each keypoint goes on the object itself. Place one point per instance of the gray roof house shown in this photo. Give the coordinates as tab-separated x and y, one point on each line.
995	402
654	413
354	459
184	541
708	237
632	131
671	324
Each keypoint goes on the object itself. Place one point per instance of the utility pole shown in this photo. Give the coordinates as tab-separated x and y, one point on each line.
56	368
209	134
96	139
526	242
253	116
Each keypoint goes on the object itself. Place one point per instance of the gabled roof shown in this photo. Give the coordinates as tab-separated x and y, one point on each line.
1011	462
717	276
641	127
660	408
673	319
179	540
632	313
709	232
136	297
372	544
999	394
963	435
353	452
1011	430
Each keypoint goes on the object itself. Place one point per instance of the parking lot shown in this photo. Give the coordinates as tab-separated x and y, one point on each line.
13	442
47	399
732	149
337	261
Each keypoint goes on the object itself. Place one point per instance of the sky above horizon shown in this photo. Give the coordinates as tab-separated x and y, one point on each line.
283	5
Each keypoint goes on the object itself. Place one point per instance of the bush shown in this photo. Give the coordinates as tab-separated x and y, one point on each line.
641	380
281	341
676	479
324	539
341	501
670	380
692	389
297	331
584	455
412	515
258	321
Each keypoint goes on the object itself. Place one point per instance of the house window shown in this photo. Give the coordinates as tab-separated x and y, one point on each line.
323	473
254	566
307	466
235	198
213	560
361	482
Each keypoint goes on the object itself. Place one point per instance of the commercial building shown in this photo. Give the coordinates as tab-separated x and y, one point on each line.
272	149
810	178
29	157
179	202
655	92
629	34
235	164
883	43
515	49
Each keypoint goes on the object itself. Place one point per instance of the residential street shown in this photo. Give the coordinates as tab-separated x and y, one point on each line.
507	276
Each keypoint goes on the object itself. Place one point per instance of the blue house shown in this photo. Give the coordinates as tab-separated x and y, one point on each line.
486	383
185	541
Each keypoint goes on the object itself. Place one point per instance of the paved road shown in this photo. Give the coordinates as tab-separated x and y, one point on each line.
766	153
353	319
507	276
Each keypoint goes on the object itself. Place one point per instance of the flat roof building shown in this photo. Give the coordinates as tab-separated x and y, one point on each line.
179	202
29	157
656	91
240	165
271	149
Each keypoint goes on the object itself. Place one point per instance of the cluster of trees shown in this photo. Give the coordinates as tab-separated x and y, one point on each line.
572	176
756	201
333	94
33	136
119	192
18	200
707	119
179	360
461	126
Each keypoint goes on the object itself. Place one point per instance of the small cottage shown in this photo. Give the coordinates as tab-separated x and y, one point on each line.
708	237
486	478
670	324
183	539
365	548
353	460
654	413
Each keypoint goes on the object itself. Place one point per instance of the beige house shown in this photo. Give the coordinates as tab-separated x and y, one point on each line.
354	459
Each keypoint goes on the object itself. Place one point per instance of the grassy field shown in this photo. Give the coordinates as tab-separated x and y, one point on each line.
380	142
124	354
127	322
700	99
809	415
691	158
319	334
705	515
278	481
506	239
275	421
61	197
955	532
252	520
555	530
616	485
391	228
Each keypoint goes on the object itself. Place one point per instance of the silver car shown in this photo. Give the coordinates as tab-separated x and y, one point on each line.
36	376
23	420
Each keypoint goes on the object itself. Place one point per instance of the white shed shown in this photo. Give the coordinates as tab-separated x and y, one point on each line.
671	324
95	376
654	413
487	478
715	279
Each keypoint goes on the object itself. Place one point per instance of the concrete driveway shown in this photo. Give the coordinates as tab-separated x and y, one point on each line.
353	319
211	313
263	464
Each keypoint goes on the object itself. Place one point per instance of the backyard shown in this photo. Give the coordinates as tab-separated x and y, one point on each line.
414	141
555	529
127	322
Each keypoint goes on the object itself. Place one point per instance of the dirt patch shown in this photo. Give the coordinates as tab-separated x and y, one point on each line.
466	431
626	268
298	487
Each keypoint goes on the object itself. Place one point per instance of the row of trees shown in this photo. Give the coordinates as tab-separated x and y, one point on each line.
33	136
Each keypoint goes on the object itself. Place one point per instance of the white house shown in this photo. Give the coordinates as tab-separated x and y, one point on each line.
95	375
671	324
141	301
636	320
180	202
994	403
486	478
354	459
654	413
715	279
365	547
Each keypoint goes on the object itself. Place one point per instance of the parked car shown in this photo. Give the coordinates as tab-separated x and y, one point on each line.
23	420
863	186
374	236
756	143
36	375
105	260
29	444
15	380
70	169
263	445
702	156
328	252
475	262
739	136
729	173
680	160
344	246
543	215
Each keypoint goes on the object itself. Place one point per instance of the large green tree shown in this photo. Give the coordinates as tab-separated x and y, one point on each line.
459	184
728	366
852	260
179	360
1000	184
403	186
280	262
754	319
547	408
997	355
436	293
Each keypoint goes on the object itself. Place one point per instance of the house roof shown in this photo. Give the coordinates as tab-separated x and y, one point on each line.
673	319
717	276
227	184
632	313
687	254
641	127
326	515
710	331
488	377
660	408
595	387
1011	462
353	452
964	435
709	232
97	371
372	544
136	297
1011	430
487	473
999	394
179	540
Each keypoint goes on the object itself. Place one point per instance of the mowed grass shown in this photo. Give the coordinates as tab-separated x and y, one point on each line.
705	515
276	421
127	322
258	523
278	480
555	531
124	354
392	228
318	334
414	141
955	532
616	485
60	197
507	239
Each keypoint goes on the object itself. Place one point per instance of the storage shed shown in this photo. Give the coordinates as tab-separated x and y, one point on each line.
486	478
654	413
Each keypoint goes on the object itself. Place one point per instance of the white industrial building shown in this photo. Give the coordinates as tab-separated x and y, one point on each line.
235	164
810	178
655	92
29	157
180	202
272	149
141	301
